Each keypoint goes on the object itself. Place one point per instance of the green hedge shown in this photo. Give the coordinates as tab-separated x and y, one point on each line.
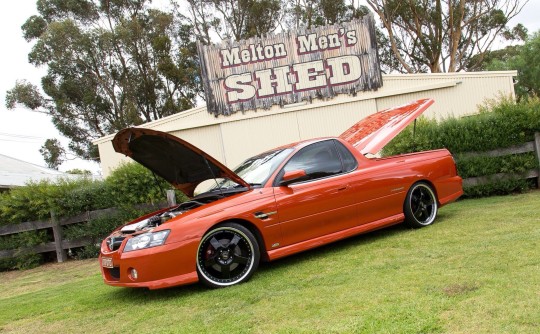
498	125
128	185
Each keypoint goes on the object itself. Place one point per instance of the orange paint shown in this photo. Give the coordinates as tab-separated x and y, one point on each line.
297	217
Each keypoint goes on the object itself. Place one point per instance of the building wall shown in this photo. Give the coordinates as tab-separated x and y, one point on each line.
231	139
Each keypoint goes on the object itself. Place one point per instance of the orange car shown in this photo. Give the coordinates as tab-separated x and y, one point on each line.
277	203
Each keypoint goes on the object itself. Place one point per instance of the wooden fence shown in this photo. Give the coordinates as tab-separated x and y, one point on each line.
59	245
533	146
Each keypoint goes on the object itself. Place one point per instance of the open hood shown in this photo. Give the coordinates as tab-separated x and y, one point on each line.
177	161
373	132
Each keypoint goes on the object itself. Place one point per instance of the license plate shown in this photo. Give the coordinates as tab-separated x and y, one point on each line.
106	262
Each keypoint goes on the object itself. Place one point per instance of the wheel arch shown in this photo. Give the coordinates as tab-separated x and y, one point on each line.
431	184
251	227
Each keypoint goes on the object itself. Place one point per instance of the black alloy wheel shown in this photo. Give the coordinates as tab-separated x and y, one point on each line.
420	205
227	255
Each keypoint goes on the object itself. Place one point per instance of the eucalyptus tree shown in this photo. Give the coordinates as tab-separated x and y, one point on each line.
445	35
110	64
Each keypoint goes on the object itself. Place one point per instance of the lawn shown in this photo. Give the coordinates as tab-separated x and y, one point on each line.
476	270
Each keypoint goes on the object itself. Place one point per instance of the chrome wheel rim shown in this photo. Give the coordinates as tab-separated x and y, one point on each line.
225	256
423	204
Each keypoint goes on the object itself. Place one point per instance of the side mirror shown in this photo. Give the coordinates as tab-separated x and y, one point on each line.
293	176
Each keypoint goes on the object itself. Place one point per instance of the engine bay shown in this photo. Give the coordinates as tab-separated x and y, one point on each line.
148	224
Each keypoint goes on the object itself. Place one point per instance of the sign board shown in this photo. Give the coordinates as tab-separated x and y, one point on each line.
290	67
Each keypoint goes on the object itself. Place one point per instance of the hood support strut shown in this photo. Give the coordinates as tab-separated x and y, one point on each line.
213	176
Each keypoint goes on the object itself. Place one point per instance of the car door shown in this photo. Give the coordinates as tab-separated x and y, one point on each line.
323	202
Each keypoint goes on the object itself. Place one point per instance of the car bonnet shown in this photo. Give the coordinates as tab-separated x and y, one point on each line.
372	133
177	161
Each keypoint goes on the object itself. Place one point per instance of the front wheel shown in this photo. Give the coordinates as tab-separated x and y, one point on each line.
227	255
420	205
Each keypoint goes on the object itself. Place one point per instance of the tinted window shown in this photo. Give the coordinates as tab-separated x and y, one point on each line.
349	162
318	160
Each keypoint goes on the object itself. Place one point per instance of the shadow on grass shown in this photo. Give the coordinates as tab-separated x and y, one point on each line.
136	295
347	244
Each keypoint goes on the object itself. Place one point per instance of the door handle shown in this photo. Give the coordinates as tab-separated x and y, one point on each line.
343	187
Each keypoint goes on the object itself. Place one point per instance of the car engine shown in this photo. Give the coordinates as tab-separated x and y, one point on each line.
148	224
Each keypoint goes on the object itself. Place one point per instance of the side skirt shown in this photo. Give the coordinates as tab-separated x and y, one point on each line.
326	239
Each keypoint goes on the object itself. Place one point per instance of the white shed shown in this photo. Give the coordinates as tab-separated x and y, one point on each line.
16	173
231	139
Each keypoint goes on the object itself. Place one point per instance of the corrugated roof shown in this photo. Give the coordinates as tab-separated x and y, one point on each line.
15	172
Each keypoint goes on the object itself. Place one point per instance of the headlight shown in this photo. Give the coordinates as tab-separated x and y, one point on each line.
146	240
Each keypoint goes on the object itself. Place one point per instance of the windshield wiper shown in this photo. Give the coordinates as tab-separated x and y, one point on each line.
251	184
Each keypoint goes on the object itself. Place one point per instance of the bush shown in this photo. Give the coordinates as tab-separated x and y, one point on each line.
127	186
22	260
133	183
498	125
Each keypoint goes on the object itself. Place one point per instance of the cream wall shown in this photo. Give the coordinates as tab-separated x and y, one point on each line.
231	139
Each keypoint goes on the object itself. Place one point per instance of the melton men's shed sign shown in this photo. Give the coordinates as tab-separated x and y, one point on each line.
290	67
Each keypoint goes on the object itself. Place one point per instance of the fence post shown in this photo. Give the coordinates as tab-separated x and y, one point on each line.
171	197
58	236
537	150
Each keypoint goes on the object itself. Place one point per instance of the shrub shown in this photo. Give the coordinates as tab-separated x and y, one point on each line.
132	184
127	186
498	125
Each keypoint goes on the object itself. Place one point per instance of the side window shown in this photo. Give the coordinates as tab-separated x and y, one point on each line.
349	161
318	160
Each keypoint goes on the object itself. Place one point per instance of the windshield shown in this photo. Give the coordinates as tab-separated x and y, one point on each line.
255	170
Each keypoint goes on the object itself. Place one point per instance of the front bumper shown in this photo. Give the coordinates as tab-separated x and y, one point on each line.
157	267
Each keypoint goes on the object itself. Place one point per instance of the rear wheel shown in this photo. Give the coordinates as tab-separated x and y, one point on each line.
420	205
227	255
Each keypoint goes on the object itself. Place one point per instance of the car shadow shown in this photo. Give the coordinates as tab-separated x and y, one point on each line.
137	295
345	244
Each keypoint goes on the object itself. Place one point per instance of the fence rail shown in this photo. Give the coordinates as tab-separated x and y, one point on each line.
532	146
59	245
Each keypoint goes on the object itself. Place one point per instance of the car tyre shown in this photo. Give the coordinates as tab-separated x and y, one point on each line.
228	254
420	205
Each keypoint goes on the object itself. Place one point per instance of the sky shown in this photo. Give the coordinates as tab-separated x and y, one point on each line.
23	132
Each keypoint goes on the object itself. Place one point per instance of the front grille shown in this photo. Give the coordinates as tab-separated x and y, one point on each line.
114	272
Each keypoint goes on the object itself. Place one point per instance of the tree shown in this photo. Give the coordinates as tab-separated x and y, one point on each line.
53	153
444	35
110	64
77	171
233	19
526	60
314	13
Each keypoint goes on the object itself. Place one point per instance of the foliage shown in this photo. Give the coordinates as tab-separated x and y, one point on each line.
96	230
498	125
232	19
22	260
482	165
127	186
444	35
53	153
132	184
473	271
497	60
77	171
499	187
314	13
526	60
35	200
110	65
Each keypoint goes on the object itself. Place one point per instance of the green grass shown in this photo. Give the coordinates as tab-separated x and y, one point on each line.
476	270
